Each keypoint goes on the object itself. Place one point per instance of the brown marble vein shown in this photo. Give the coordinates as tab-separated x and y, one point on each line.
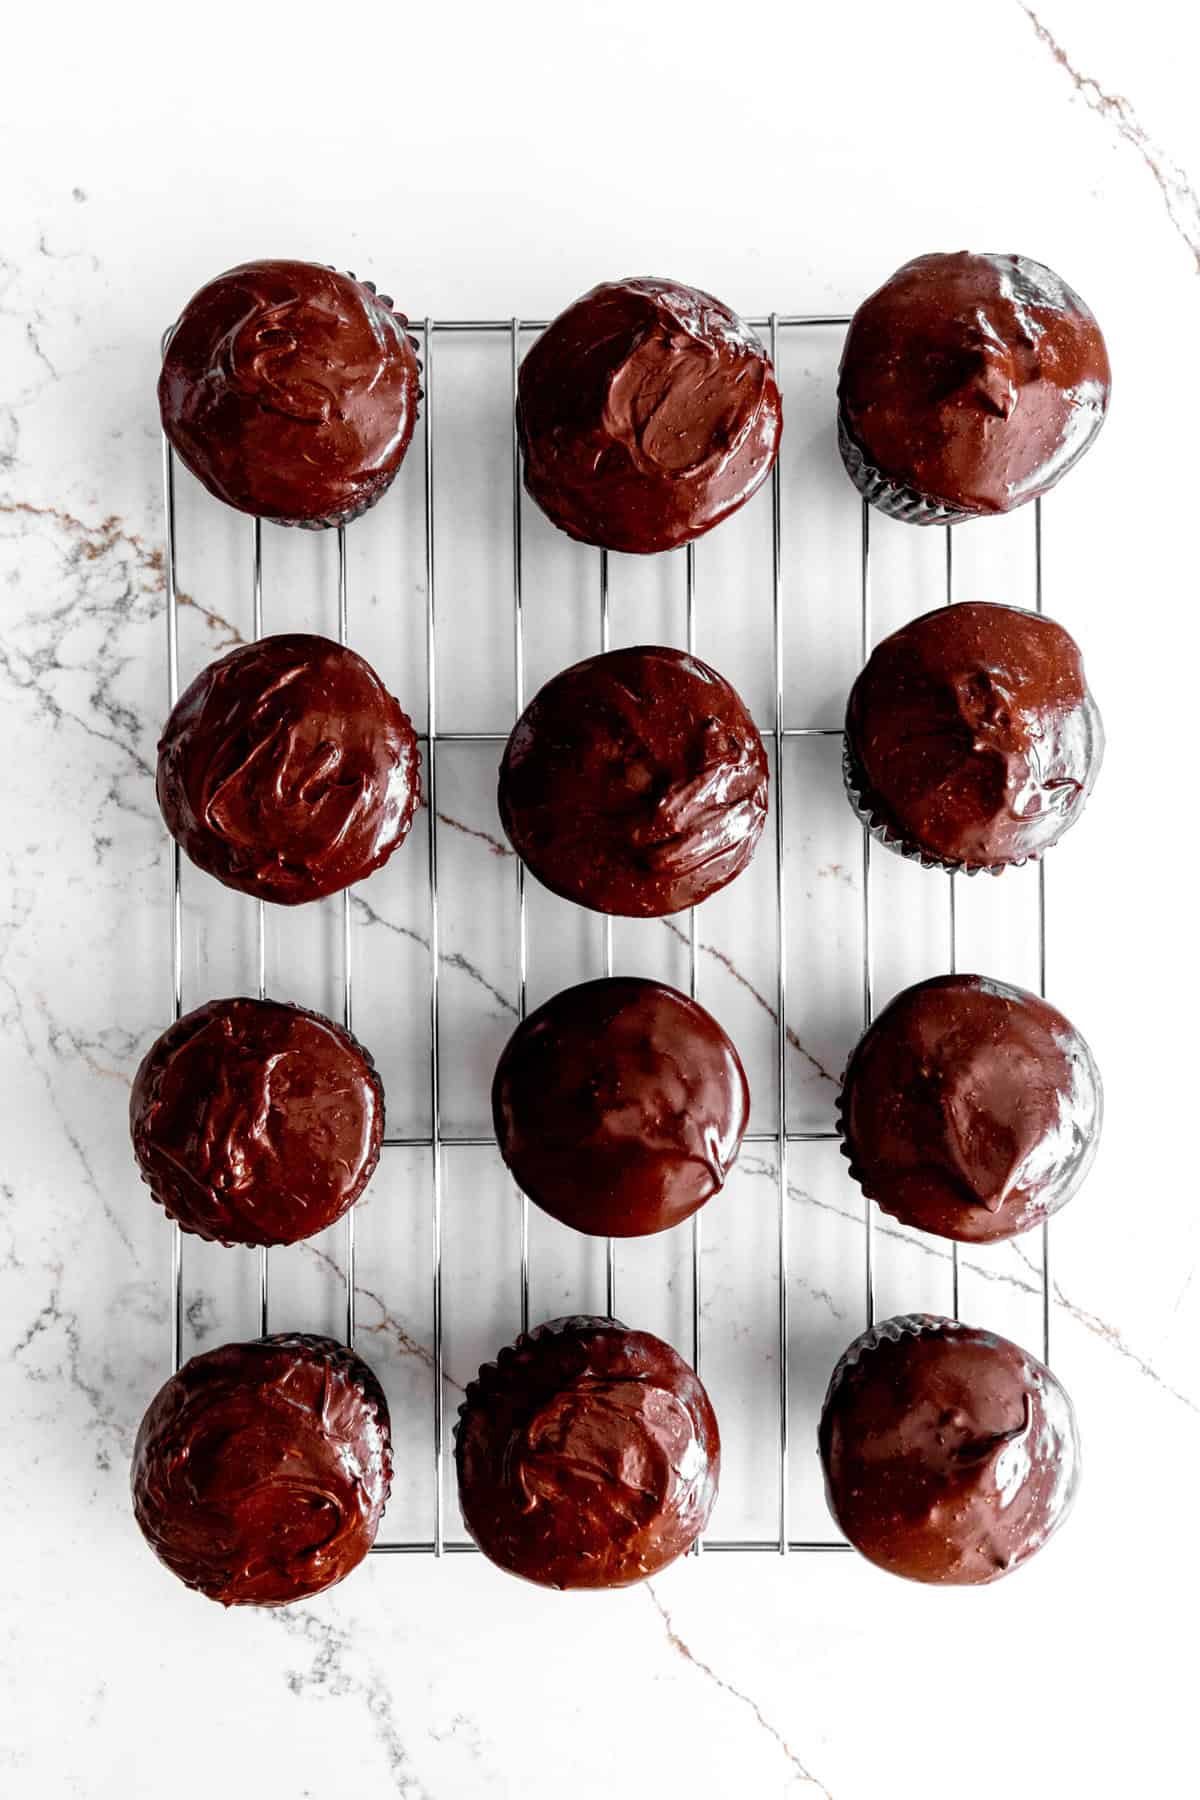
1089	1321
95	541
711	1287
485	837
113	1040
1101	1328
1115	1339
498	848
387	1322
731	967
47	655
1178	194
800	1771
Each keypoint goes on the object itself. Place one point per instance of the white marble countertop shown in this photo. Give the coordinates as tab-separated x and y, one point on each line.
487	162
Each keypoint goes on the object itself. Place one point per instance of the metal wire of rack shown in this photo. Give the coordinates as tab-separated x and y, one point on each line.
776	733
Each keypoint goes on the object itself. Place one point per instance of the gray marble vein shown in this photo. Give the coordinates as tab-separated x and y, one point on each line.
450	959
51	1348
331	1675
424	1669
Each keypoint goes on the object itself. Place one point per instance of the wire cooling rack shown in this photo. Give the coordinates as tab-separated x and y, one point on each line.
775	731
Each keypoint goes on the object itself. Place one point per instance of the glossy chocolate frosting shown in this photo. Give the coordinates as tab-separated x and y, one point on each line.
588	1455
291	391
619	1106
261	1470
972	740
255	1122
635	783
970	1109
973	382
287	770
648	412
950	1454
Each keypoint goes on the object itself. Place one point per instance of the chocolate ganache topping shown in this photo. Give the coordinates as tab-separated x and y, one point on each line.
261	1470
648	412
619	1106
635	783
291	391
588	1455
969	385
972	740
970	1109
950	1455
287	770
256	1123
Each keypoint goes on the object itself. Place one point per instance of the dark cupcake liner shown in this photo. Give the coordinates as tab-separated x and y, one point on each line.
841	1127
334	520
888	1331
884	832
345	1360
1078	1175
1057	1445
891	497
916	1324
356	512
492	1375
349	1362
340	1359
376	1079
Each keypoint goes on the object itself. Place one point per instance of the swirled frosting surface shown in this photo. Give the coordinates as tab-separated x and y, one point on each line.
976	381
261	1470
287	770
588	1455
972	736
635	783
970	1109
648	412
291	391
620	1106
256	1123
950	1454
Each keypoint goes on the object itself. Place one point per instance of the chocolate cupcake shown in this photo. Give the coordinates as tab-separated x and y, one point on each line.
291	392
619	1106
968	385
648	412
950	1455
972	741
255	1122
635	783
287	770
588	1456
970	1109
261	1470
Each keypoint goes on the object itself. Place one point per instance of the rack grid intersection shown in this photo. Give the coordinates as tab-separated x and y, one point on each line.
775	733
